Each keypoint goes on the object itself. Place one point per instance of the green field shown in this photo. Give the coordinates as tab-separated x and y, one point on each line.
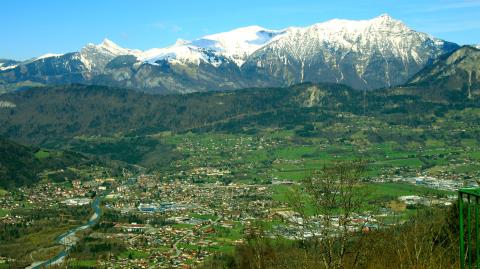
40	242
394	190
3	212
378	193
42	154
134	254
182	226
3	192
204	217
82	263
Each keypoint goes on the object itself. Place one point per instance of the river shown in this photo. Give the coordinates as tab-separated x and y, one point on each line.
69	239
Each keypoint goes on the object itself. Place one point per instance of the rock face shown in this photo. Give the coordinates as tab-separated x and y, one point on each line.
368	54
459	70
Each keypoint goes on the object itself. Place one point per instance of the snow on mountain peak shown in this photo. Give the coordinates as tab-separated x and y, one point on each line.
181	42
108	47
111	47
381	32
384	17
239	43
107	43
3	68
361	42
180	52
95	57
359	26
235	45
48	55
365	54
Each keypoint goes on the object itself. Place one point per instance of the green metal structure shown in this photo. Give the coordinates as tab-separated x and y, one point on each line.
469	198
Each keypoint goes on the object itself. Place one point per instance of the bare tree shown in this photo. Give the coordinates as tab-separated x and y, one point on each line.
328	202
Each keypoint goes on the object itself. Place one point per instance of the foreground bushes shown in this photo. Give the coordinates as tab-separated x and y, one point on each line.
429	240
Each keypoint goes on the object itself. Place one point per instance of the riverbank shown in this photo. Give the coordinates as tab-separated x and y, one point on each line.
69	239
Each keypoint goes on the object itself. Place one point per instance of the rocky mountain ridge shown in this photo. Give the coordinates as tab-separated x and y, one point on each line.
366	54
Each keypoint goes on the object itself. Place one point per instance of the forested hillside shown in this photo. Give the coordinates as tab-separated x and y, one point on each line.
21	165
39	115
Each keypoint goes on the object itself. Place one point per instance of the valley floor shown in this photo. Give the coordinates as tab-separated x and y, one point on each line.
226	188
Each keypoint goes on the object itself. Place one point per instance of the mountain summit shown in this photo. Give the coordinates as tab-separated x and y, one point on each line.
365	54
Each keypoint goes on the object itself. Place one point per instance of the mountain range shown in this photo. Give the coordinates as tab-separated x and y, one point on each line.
41	115
368	54
84	118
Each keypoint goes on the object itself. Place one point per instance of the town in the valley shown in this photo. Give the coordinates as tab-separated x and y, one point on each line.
184	215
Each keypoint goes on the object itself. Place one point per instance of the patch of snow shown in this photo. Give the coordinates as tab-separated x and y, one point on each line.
48	55
382	34
95	57
115	49
7	104
235	45
8	67
332	40
239	43
109	47
181	52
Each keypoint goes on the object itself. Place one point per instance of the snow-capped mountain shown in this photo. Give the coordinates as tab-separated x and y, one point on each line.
181	52
366	54
96	57
240	43
380	52
235	45
47	55
7	64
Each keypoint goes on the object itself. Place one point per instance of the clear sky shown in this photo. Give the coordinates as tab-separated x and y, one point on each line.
34	27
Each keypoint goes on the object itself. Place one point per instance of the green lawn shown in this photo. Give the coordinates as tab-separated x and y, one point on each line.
280	192
82	263
298	174
393	190
222	248
182	226
187	246
294	153
474	154
3	212
203	217
410	162
227	235
374	192
41	154
135	254
468	168
3	192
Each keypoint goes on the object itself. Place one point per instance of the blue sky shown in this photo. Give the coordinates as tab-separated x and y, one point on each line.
34	27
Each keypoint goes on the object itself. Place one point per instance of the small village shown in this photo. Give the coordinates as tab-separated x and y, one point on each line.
167	223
